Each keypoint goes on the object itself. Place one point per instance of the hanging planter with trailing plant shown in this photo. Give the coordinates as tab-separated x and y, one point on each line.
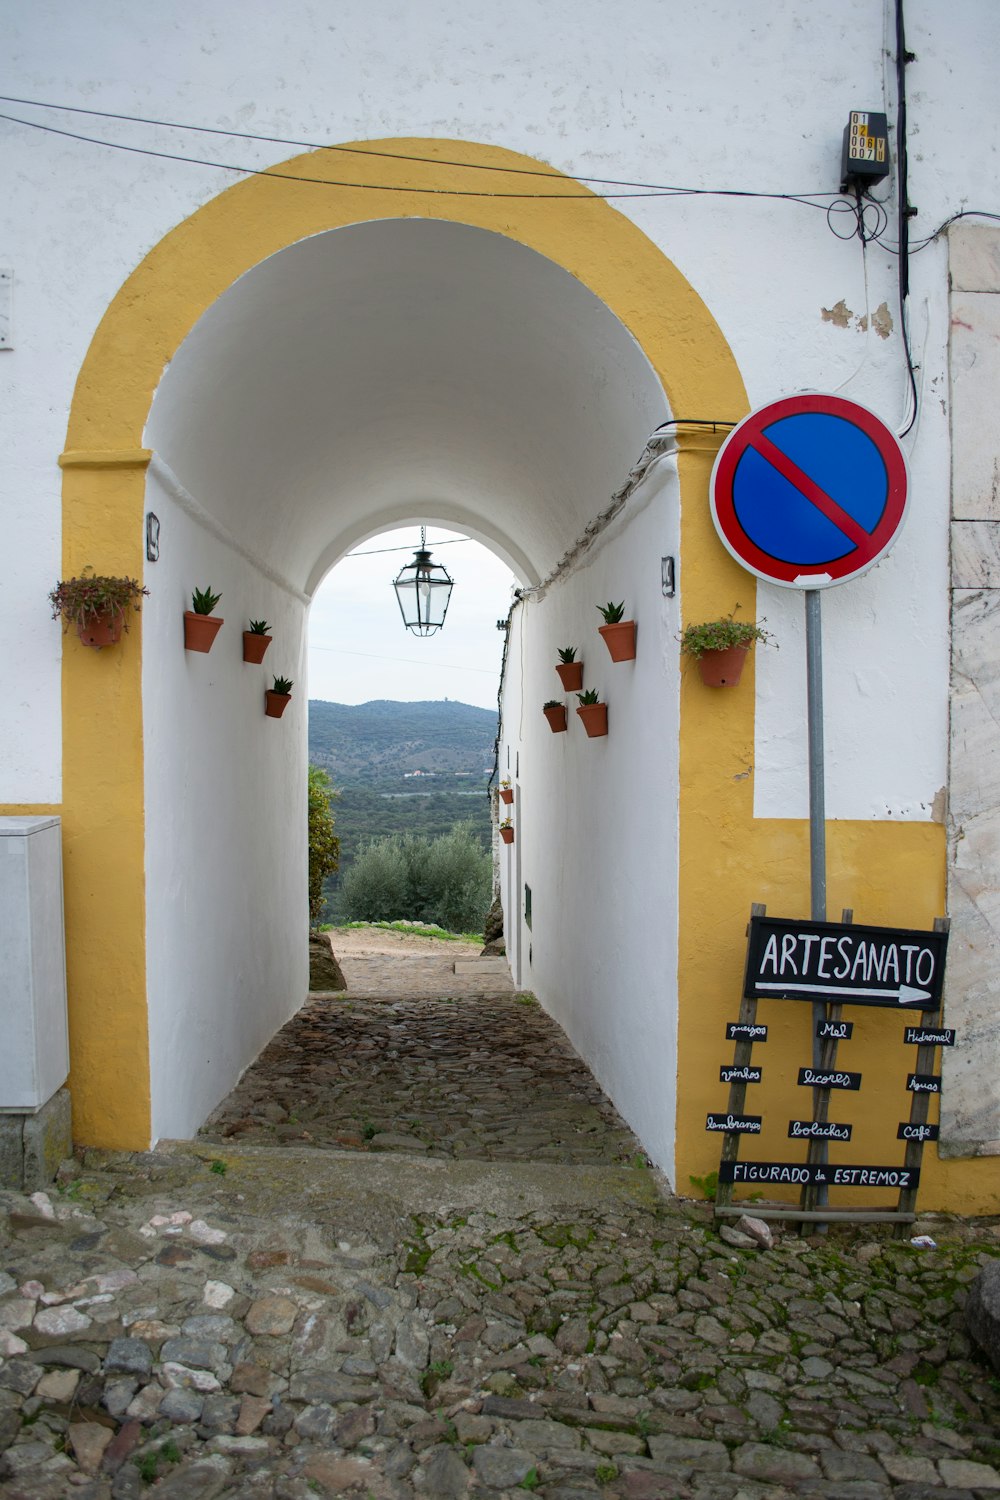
570	670
278	697
555	712
619	634
200	625
593	714
720	648
256	641
506	791
507	831
97	605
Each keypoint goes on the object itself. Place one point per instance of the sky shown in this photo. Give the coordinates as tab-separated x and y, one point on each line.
359	648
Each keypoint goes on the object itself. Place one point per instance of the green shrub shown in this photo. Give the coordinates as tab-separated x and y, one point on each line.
447	880
324	845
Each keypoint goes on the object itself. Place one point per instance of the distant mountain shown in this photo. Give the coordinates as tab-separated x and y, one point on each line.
385	740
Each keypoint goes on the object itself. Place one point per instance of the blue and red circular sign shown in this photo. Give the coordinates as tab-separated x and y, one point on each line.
809	491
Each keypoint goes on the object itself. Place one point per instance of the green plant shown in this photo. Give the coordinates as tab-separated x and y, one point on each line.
706	1185
567	654
531	1480
219	1168
147	1466
551	703
203	601
506	823
613	613
259	627
282	685
605	1473
324	845
590	696
447	880
721	635
80	601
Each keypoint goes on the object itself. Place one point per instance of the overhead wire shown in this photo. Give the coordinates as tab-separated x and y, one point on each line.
635	190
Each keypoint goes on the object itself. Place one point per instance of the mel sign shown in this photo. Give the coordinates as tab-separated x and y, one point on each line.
809	491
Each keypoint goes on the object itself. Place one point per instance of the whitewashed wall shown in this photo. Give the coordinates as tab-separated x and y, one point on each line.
623	96
596	819
227	905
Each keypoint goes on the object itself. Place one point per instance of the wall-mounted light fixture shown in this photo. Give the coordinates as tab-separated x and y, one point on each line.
152	537
423	589
668	578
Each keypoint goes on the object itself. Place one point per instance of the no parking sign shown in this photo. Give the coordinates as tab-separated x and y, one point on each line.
809	491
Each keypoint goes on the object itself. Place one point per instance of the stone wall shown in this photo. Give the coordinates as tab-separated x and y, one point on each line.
970	1110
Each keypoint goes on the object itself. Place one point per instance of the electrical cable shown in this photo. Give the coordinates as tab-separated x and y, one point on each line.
903	206
664	191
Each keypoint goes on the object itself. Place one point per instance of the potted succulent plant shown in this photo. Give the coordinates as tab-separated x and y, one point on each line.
570	670
720	648
256	641
200	625
507	831
555	712
593	713
619	634
278	697
96	604
506	790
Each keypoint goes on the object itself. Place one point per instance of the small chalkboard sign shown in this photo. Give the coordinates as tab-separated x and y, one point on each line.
742	1124
909	1131
926	1036
744	1074
819	1130
923	1083
814	1078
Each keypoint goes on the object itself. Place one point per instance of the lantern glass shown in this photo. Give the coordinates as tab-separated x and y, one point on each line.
423	589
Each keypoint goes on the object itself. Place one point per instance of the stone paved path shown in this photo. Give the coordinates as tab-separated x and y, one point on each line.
483	1073
222	1321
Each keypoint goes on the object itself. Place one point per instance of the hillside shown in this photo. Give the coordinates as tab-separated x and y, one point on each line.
384	740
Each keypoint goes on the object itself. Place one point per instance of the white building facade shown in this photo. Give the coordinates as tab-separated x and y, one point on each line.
285	279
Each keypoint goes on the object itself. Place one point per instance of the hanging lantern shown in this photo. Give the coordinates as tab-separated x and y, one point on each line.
423	589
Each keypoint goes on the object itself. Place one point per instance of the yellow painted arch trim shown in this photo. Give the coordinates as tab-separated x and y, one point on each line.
727	859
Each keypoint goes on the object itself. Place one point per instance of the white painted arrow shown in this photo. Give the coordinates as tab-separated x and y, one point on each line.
905	994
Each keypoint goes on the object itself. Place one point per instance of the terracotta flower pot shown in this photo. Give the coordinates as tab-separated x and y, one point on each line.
507	794
595	718
722	668
570	675
101	630
254	645
200	630
620	640
275	703
556	718
507	834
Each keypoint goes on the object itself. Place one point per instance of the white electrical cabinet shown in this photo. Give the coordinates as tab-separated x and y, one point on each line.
34	1050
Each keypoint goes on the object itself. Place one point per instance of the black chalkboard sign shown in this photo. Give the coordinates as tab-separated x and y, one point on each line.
852	965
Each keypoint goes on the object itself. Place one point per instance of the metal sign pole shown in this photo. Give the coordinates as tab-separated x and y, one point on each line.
817	825
817	792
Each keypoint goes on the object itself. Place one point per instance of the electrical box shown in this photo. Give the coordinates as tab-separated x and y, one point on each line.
34	1059
865	156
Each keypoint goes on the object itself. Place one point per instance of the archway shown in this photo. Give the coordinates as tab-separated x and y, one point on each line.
257	271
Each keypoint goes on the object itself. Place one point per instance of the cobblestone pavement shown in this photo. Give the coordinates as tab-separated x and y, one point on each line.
486	1075
220	1321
